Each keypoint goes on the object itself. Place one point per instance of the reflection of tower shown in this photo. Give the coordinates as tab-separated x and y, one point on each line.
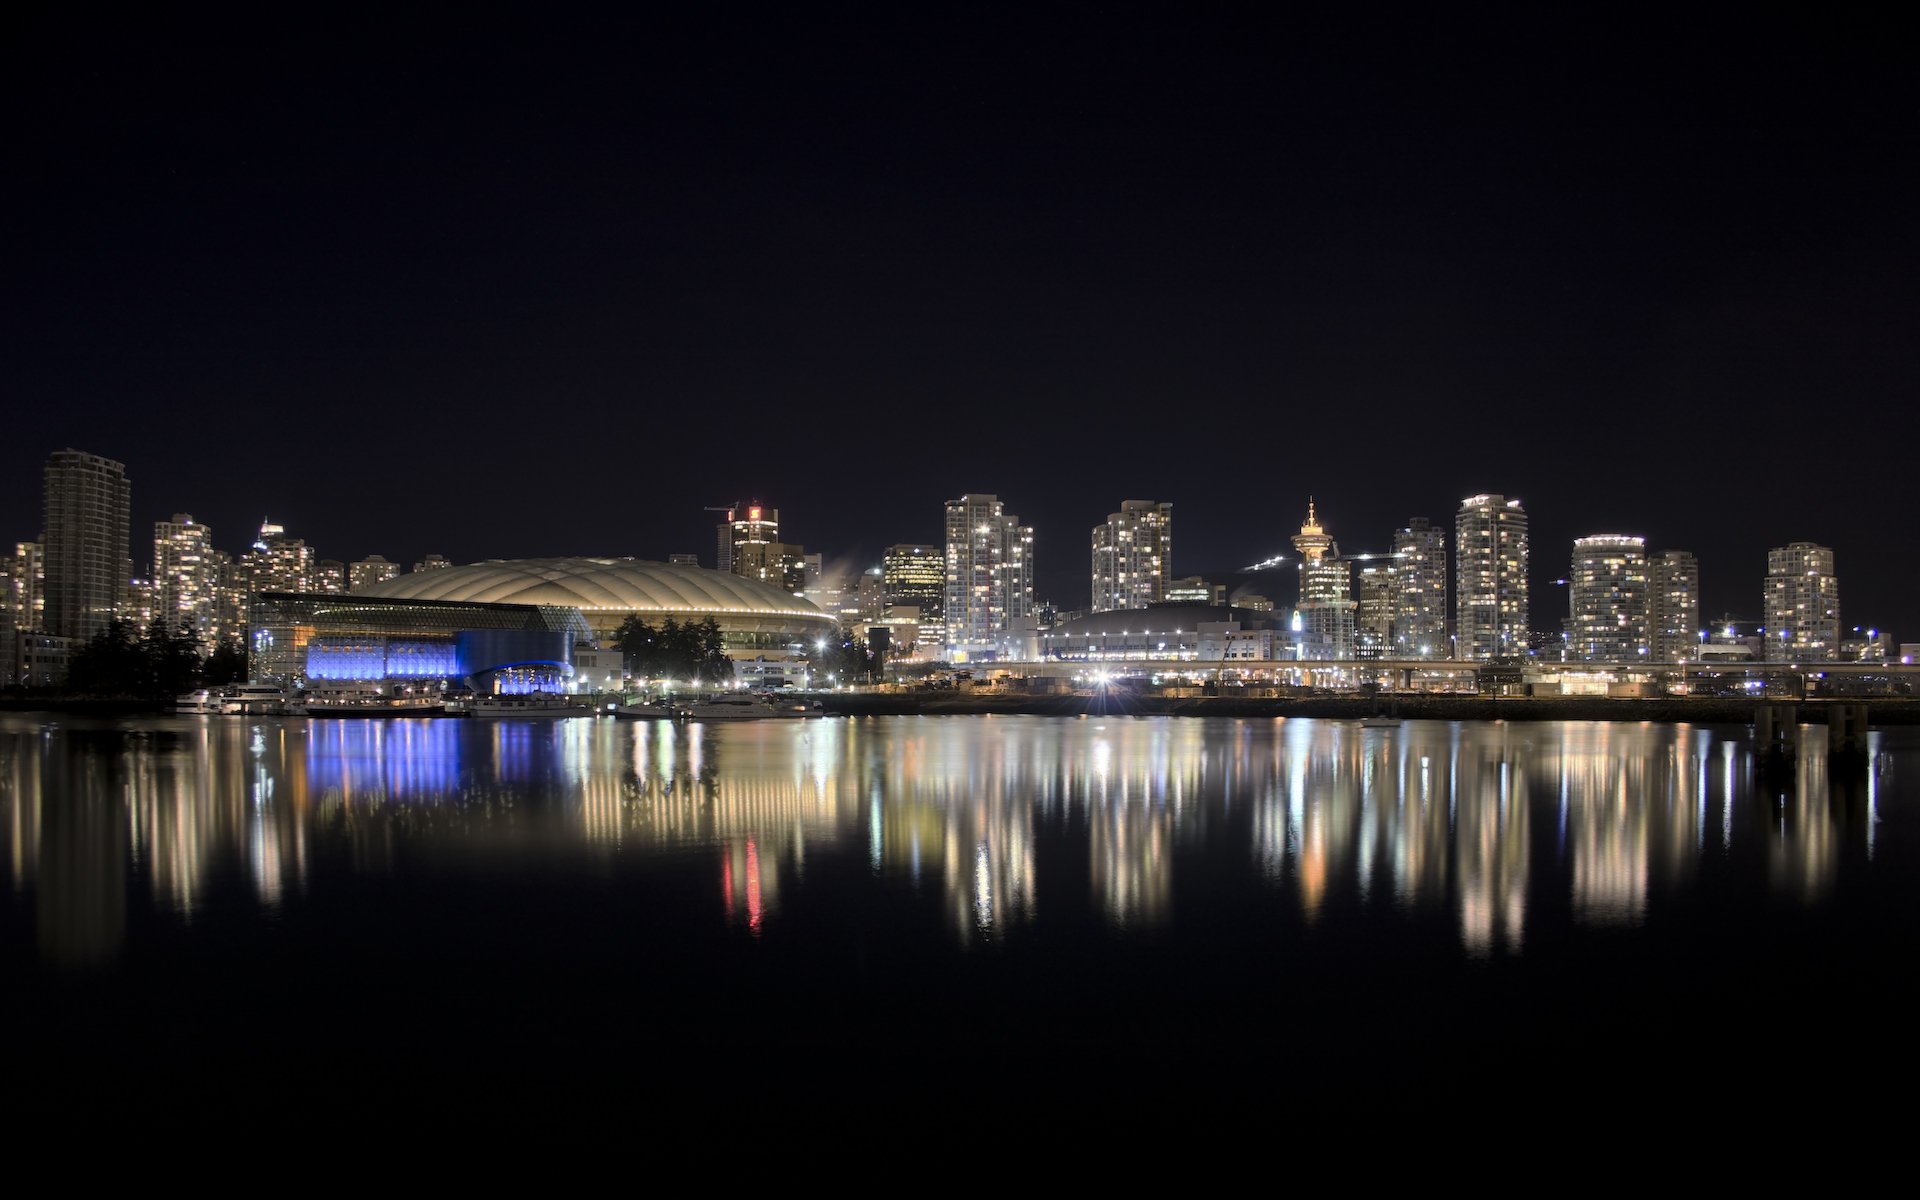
1490	847
82	895
1326	605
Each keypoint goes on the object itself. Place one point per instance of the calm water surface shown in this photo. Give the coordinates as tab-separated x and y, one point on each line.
455	916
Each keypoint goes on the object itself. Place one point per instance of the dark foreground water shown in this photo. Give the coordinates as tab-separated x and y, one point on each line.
497	924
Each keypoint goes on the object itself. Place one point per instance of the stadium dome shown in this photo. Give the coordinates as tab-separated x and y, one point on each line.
753	616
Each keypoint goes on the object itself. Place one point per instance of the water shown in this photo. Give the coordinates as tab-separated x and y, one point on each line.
506	921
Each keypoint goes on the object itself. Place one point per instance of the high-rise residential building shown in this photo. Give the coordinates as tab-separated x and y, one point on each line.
1326	608
229	597
1133	556
330	576
87	569
916	576
1607	599
29	574
1673	606
1803	604
186	583
683	560
1490	558
278	563
372	569
1420	590
1379	601
432	562
989	604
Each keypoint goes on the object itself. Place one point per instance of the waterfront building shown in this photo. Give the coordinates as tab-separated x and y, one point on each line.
185	583
369	570
1373	624
1133	556
1490	554
513	625
989	603
86	566
916	577
1607	600
1673	609
1326	607
1802	604
1420	591
432	562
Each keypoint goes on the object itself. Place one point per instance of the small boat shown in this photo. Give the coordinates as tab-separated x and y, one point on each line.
202	703
1379	722
254	700
649	710
366	702
730	708
531	704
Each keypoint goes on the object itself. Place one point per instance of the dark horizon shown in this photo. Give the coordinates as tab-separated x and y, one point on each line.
540	288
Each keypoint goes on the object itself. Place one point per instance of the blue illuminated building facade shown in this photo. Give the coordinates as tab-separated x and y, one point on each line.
300	638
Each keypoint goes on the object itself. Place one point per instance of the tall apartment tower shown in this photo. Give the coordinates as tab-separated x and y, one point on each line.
1802	604
1490	578
1326	607
1673	608
186	575
87	569
278	563
1420	590
989	578
1133	555
916	576
372	569
29	585
1607	598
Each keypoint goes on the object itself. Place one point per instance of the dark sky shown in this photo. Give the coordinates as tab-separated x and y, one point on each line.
516	285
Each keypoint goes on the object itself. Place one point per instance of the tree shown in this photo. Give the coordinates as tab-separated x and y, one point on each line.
227	664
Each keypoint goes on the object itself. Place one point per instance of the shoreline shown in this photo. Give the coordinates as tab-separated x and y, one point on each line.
1884	710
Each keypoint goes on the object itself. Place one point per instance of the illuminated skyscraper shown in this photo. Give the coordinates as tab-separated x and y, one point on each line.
330	575
989	579
186	583
1326	607
278	563
746	525
1420	591
29	585
1803	604
917	576
1607	600
1490	578
87	570
1133	555
1673	608
1373	626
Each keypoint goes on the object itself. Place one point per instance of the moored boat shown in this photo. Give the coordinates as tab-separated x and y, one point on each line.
254	700
366	702
531	704
201	703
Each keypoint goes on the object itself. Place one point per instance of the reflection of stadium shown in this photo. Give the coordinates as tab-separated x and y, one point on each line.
512	625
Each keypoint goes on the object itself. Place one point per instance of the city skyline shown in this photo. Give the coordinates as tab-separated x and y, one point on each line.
858	269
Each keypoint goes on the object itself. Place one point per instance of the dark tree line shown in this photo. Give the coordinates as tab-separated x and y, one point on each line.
858	657
693	651
155	663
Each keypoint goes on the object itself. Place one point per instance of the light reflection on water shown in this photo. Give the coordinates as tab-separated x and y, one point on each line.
996	821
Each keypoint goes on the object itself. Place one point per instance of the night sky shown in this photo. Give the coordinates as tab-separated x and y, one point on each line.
516	285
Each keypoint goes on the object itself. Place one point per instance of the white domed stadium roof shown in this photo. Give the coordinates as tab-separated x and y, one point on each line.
601	585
